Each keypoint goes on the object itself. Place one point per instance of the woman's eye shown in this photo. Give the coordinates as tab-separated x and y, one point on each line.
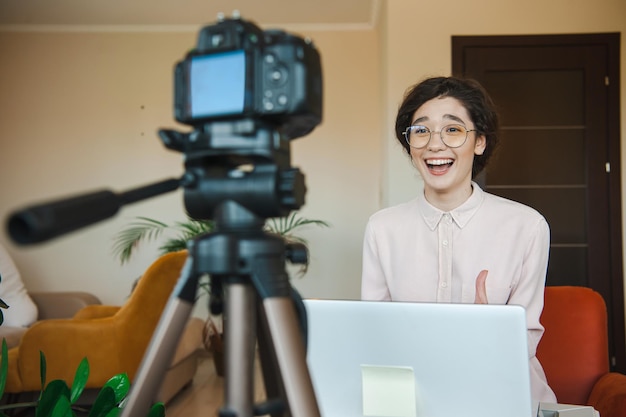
454	129
419	130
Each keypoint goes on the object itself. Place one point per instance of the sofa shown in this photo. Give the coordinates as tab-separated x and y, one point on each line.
113	338
50	305
574	351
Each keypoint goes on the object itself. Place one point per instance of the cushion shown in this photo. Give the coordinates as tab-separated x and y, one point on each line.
22	311
608	396
12	335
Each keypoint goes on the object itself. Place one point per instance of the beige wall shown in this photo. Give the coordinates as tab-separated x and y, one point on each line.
79	112
72	120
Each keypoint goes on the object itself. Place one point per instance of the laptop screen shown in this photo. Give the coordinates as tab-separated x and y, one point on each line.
418	359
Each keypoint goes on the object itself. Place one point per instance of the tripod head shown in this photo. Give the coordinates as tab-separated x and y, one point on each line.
246	162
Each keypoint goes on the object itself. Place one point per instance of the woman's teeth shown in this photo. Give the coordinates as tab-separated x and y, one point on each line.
439	162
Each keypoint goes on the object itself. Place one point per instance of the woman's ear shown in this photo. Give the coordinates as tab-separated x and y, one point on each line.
480	145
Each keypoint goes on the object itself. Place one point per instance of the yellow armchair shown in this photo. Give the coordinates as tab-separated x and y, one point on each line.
113	339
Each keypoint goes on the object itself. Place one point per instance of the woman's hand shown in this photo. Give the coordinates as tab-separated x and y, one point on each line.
481	288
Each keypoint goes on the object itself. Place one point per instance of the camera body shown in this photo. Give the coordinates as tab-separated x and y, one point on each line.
238	71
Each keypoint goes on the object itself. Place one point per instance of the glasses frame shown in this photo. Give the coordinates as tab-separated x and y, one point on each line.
430	136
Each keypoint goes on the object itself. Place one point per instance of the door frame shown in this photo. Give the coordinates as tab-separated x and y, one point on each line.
614	288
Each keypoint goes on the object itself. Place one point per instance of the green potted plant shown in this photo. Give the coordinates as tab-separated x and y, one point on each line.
175	237
56	399
177	234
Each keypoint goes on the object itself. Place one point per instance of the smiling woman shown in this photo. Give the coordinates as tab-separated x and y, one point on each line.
455	243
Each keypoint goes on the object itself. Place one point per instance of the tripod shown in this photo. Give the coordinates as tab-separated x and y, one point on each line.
249	264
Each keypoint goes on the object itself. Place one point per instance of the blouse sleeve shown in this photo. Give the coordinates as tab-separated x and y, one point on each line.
529	290
373	282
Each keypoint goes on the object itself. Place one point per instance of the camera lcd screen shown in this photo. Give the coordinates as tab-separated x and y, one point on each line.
217	84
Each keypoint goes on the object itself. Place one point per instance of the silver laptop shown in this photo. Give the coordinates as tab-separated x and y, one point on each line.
392	359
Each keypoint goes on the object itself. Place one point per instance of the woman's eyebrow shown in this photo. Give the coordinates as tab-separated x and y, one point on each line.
445	116
453	117
420	120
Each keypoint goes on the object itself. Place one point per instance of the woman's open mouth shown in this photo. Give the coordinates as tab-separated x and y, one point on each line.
439	166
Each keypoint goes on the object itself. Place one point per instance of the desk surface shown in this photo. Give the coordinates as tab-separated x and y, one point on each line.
206	395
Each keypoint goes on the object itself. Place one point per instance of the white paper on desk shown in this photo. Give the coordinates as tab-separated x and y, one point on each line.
388	391
566	410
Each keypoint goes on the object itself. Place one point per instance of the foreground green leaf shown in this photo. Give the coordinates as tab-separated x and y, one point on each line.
105	402
4	366
42	371
157	410
115	412
80	380
50	396
62	408
57	399
120	384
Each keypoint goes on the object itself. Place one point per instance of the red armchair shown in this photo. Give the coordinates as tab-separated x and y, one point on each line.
574	351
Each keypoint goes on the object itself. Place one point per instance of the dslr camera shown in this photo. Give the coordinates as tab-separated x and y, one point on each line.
238	71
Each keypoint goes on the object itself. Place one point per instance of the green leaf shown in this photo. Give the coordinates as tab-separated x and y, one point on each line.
157	410
80	380
114	412
42	370
4	366
120	384
286	226
193	228
105	402
50	396
173	245
62	408
144	228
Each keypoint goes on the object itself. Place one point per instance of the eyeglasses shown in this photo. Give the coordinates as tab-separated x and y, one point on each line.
453	136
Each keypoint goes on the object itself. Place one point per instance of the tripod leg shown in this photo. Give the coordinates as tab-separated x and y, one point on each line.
240	339
162	346
274	388
283	327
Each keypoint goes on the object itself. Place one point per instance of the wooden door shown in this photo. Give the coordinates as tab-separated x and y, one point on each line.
558	98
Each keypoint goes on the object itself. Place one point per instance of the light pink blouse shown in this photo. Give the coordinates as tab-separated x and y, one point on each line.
416	252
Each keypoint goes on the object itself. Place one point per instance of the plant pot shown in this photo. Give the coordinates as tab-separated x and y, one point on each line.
213	341
217	349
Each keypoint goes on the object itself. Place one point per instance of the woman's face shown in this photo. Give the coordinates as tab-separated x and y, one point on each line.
447	172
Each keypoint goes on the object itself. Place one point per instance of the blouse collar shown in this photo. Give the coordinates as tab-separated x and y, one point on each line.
461	215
